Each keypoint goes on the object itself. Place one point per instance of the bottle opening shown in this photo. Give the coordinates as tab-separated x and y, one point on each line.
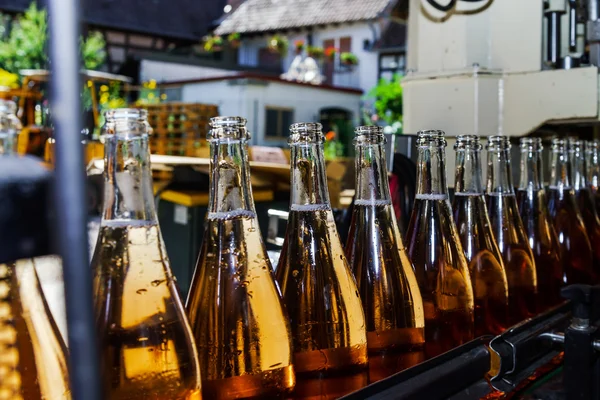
559	145
126	123
593	145
467	142
531	144
306	132
431	137
369	134
498	143
228	128
575	145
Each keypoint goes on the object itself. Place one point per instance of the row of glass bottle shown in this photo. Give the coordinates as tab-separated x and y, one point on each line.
238	322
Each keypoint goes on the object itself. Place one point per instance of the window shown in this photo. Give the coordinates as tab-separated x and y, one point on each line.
346	44
390	64
278	122
328	64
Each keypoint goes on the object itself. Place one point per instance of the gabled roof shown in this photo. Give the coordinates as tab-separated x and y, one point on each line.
273	15
177	19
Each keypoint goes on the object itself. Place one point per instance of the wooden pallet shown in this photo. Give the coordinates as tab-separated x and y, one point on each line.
180	128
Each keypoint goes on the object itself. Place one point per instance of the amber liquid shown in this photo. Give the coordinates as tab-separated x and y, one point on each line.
516	255
442	274
575	245
545	247
329	388
240	327
490	287
147	350
592	225
320	293
33	363
388	289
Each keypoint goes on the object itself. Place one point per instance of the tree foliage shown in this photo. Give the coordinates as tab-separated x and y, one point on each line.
25	46
388	99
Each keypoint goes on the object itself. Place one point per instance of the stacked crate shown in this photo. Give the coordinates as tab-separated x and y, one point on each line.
180	128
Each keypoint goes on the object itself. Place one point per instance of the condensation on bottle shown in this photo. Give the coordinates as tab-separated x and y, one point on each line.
488	277
435	250
146	346
568	223
592	156
234	305
319	291
375	250
541	235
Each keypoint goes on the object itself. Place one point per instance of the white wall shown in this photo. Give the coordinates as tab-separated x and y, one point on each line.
248	100
364	76
166	71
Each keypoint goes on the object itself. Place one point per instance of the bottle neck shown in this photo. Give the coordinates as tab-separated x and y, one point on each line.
372	185
531	170
309	184
230	189
499	179
431	172
578	176
593	167
560	177
128	192
468	172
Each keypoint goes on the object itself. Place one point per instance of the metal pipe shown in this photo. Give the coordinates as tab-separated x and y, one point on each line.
572	25
69	198
554	36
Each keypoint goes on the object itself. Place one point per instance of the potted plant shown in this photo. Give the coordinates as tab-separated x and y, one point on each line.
213	44
330	53
299	46
278	44
234	40
348	58
315	52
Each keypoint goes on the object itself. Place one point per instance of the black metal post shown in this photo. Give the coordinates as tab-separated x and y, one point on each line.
69	197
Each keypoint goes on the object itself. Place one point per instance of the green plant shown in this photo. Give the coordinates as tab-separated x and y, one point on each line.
213	43
150	94
299	46
93	50
315	52
234	39
387	97
348	58
25	45
278	44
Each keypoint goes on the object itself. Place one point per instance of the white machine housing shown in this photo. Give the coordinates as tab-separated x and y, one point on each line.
479	69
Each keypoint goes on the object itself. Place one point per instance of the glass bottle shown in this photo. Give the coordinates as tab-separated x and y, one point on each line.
542	238
575	245
10	126
320	293
434	247
375	250
510	233
583	195
33	355
146	345
234	305
488	277
593	170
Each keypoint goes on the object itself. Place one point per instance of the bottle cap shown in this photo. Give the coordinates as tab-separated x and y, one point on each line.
24	208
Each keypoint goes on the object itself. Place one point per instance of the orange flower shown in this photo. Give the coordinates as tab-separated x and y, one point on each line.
330	135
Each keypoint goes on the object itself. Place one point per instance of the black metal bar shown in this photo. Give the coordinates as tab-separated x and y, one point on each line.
438	378
518	347
69	196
